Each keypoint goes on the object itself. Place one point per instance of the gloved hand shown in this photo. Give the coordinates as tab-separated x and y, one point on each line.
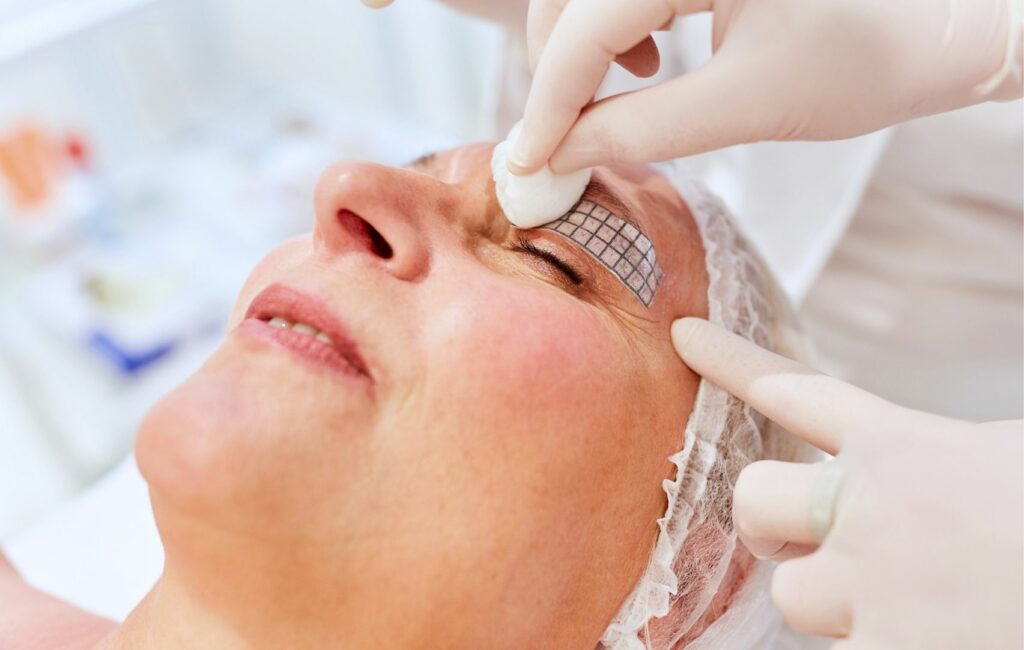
914	530
781	70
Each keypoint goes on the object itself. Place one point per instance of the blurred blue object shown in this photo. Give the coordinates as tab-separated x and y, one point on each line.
128	361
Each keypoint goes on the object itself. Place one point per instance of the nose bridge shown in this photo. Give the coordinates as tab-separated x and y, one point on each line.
394	203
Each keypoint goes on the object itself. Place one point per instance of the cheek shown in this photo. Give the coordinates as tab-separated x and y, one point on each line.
532	393
527	351
533	437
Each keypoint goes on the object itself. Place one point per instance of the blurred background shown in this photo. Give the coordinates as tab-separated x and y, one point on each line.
150	152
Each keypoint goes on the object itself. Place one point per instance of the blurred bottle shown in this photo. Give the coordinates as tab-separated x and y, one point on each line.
51	187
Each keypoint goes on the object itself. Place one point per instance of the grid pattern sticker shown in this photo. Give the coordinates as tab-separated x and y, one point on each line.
616	244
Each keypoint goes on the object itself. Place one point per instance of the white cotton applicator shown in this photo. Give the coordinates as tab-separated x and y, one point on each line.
535	199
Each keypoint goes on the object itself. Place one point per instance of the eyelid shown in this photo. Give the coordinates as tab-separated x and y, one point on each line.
568	269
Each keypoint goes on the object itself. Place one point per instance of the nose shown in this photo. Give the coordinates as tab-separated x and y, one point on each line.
372	210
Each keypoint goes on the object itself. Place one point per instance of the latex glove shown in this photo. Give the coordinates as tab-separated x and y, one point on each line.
917	522
642	60
781	70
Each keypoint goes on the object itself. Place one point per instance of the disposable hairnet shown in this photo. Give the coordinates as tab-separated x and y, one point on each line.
694	556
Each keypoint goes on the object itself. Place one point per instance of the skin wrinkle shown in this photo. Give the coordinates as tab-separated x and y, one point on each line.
618	245
598	189
616	209
604	294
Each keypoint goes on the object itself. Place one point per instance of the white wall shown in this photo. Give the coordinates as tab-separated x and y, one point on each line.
135	79
128	82
416	59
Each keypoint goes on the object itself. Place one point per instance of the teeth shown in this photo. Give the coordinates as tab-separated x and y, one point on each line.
281	323
323	338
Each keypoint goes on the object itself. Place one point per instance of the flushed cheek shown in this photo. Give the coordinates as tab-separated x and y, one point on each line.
527	349
530	396
533	382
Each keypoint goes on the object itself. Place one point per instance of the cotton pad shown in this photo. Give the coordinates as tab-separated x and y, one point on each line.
535	199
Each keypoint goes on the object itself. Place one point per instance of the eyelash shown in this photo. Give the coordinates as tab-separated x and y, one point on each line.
558	263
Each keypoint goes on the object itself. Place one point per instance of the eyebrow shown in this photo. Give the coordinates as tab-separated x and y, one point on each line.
617	244
598	192
422	163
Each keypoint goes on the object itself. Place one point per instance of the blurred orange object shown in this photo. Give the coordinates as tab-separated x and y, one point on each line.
30	165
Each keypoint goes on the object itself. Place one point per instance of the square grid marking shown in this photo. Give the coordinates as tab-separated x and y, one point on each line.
617	244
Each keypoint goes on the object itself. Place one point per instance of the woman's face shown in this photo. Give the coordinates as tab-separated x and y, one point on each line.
485	435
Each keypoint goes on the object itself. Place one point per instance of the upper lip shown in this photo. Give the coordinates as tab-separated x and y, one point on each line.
301	307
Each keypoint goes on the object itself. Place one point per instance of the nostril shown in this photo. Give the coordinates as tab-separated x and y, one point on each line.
365	233
380	245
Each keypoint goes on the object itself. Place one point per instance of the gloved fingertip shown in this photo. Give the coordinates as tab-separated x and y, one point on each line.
377	4
524	157
763	549
683	330
517	167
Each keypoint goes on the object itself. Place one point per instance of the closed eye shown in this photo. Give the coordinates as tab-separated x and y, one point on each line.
563	267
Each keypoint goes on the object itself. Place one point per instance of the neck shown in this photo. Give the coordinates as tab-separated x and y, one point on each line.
223	591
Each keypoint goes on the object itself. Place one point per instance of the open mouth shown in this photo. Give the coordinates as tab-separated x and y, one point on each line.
302	324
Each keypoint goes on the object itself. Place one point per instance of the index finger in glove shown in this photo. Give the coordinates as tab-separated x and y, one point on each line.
642	59
541	18
696	112
586	38
820	409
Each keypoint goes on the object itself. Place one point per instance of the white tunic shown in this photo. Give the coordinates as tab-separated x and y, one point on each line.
921	301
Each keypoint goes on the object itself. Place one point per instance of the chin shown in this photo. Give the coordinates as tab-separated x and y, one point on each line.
242	439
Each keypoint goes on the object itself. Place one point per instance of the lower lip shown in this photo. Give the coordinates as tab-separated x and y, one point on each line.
313	351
